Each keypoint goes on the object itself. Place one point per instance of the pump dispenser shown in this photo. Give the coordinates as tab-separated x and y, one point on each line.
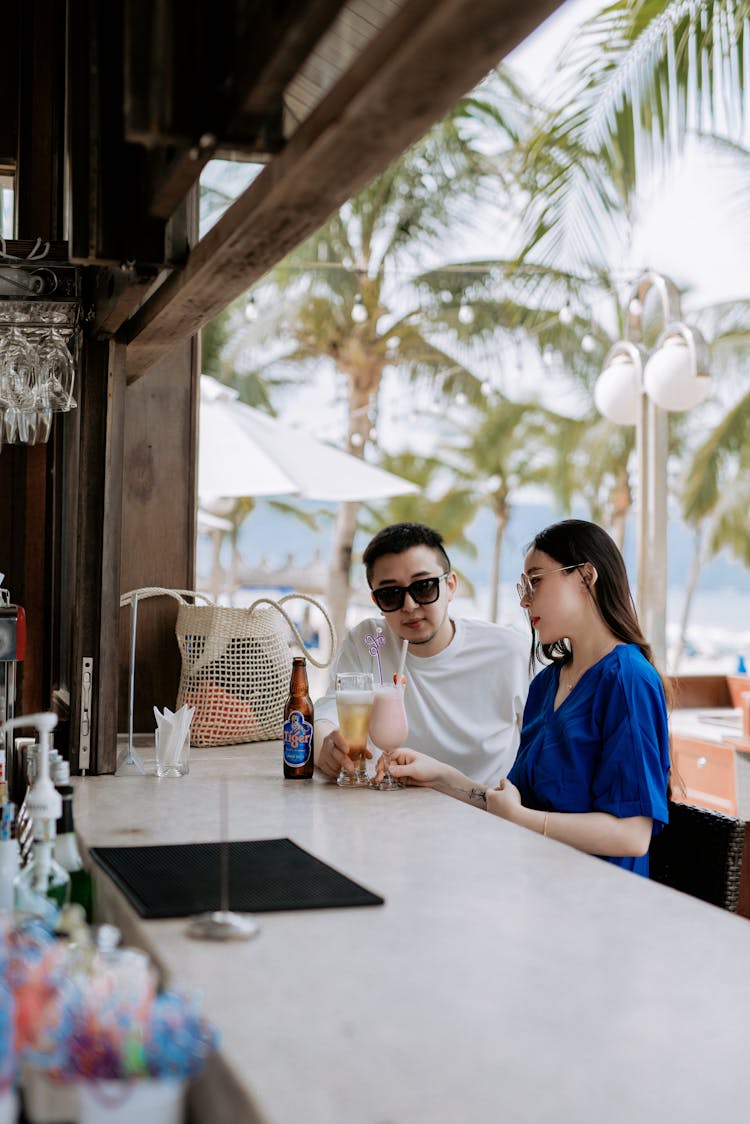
42	887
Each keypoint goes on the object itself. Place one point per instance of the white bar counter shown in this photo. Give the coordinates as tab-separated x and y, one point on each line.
506	978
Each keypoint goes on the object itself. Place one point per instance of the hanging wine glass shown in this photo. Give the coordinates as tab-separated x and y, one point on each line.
18	387
18	370
56	371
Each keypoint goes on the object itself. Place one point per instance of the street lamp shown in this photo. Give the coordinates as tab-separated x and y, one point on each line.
639	388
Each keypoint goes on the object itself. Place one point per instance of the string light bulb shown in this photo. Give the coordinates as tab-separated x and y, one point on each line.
359	312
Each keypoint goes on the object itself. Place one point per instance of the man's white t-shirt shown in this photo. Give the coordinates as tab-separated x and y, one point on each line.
464	705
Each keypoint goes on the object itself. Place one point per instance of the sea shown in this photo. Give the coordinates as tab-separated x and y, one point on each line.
718	631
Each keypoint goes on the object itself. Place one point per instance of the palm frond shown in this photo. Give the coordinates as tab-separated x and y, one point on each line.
635	80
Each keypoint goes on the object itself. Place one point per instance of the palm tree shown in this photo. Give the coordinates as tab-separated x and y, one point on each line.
445	502
342	296
636	83
507	450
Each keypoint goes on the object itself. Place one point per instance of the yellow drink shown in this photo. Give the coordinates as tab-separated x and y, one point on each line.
354	709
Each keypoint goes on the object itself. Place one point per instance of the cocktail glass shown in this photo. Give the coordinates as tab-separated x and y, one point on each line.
388	728
354	695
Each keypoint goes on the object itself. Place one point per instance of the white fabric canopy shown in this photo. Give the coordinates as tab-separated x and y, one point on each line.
244	452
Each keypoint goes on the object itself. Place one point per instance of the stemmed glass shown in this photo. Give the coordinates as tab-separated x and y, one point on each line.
388	728
36	380
17	387
354	696
56	371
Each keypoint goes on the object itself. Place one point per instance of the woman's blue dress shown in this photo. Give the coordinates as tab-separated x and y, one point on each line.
605	748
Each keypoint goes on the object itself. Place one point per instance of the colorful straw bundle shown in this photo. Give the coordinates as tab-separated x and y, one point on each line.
91	1014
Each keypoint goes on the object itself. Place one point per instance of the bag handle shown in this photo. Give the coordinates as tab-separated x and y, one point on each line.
279	605
158	591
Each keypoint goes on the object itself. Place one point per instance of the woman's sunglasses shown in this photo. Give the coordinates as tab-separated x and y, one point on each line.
423	592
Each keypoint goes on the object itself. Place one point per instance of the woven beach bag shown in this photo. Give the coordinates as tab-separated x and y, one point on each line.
236	664
236	667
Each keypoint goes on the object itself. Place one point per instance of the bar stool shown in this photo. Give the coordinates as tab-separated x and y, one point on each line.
705	854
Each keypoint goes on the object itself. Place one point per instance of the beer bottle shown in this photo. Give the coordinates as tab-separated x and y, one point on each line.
299	720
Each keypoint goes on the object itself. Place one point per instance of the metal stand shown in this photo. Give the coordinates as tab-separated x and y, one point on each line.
222	924
132	766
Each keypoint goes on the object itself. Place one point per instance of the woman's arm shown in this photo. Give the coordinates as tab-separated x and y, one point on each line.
419	769
596	833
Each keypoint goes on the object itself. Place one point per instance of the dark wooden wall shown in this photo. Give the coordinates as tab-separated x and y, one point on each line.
158	524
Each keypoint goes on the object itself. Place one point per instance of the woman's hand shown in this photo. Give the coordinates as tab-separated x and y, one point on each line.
416	768
504	801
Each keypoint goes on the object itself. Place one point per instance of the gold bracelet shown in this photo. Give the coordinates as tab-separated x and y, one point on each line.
546	821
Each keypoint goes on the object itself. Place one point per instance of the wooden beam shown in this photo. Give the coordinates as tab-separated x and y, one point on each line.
275	50
158	524
96	612
430	54
235	102
117	294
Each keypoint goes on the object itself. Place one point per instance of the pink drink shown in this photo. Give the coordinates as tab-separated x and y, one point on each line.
388	725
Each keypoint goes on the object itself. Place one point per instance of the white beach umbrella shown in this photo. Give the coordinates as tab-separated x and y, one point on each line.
208	521
244	452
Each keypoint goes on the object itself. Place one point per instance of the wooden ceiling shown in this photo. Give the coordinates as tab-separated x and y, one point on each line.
324	93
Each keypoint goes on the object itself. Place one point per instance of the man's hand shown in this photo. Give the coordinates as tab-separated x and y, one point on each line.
333	755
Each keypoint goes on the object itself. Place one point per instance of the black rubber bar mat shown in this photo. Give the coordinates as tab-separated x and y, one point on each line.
264	874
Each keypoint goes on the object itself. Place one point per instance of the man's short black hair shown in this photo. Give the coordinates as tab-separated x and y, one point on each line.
400	537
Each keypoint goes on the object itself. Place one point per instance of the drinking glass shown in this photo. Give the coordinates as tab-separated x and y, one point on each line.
56	371
354	695
388	728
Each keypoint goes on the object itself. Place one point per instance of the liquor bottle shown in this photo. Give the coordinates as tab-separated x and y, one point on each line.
42	887
24	826
66	845
299	720
10	862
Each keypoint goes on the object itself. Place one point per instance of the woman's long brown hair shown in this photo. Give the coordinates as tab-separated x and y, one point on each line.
573	542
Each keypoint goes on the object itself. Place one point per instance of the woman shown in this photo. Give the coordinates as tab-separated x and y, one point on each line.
593	765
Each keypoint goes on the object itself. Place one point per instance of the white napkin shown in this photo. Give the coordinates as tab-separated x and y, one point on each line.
173	728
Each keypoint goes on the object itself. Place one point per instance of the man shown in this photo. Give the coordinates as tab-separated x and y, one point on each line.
466	680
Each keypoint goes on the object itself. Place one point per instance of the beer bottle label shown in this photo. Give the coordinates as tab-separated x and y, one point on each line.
298	739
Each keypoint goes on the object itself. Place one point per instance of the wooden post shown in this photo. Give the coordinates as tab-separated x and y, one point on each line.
97	546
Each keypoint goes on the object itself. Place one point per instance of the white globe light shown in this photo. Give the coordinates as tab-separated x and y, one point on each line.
465	314
566	314
588	343
359	313
671	379
617	392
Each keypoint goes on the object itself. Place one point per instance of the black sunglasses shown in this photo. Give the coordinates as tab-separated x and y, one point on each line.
423	592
